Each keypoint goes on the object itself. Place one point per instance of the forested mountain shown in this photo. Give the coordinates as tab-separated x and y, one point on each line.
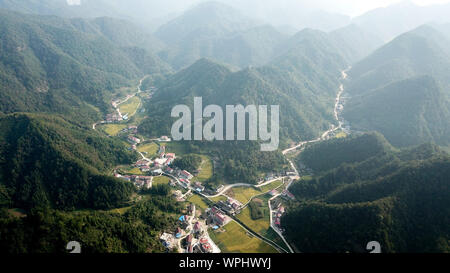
402	89
48	231
398	198
206	19
217	31
294	82
354	42
408	112
57	65
46	161
331	154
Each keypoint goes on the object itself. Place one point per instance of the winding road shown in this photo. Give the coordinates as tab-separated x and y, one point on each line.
116	107
301	144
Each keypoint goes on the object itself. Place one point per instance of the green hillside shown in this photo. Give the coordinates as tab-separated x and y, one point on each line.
50	64
328	155
47	161
401	90
399	199
408	112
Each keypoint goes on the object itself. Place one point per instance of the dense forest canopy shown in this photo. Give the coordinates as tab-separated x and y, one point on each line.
398	198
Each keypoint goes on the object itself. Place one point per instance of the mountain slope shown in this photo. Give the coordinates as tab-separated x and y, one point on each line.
354	42
206	19
398	198
217	31
402	89
330	154
304	94
47	161
56	65
408	112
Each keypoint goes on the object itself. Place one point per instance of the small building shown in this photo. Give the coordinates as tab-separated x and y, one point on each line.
219	218
187	175
134	139
164	139
206	248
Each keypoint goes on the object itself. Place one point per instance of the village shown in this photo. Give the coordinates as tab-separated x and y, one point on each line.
192	232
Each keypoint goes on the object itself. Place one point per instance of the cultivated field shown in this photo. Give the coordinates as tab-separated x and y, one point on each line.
245	194
160	180
130	106
113	129
236	240
149	148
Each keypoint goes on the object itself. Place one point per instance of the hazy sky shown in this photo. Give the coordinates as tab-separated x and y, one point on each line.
358	7
348	7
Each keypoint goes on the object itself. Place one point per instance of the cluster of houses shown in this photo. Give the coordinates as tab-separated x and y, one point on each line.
230	206
197	239
280	211
133	140
130	129
202	245
115	117
215	217
287	195
141	182
185	179
159	164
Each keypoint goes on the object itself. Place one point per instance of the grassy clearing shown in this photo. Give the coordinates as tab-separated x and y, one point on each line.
219	198
271	186
121	211
341	135
236	240
149	148
135	171
198	201
130	106
206	169
113	129
260	226
245	194
176	147
160	180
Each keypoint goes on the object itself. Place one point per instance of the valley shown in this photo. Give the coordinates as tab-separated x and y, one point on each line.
277	187
89	94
